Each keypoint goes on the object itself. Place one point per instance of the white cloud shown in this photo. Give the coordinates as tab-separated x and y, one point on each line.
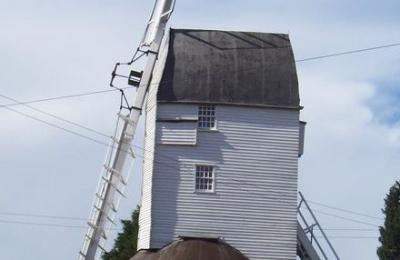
350	159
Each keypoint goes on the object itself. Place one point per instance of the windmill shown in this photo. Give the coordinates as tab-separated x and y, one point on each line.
223	138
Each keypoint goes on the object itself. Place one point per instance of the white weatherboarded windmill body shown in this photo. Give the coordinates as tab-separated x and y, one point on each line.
222	143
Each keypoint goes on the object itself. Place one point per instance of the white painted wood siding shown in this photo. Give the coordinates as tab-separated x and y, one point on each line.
255	153
176	111
148	154
176	133
145	215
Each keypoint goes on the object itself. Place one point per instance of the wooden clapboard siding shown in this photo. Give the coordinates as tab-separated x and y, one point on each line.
255	153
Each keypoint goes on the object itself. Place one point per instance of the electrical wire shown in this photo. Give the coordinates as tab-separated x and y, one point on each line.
45	224
345	218
85	136
314	210
19	214
317	211
351	237
343	210
352	229
349	52
40	224
70	122
84	227
44	216
61	97
57	117
56	126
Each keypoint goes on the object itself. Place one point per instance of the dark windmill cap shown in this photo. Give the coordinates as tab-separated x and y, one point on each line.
233	68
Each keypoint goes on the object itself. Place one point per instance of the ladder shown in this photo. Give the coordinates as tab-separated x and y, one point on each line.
113	181
307	228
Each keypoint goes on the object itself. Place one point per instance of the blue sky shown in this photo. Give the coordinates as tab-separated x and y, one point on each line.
52	48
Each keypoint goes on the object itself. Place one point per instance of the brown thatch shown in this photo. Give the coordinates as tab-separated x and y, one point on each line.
193	249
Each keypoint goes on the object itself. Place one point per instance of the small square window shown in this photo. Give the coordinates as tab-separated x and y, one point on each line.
206	116
205	179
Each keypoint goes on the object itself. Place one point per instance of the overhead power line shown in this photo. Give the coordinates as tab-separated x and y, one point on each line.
343	210
45	224
352	237
56	126
349	52
352	229
84	227
40	224
85	136
70	131
58	217
345	218
57	117
60	97
19	214
73	123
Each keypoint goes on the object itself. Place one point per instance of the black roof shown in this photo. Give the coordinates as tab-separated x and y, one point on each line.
243	68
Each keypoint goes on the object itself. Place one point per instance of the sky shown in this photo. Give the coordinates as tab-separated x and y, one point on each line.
55	48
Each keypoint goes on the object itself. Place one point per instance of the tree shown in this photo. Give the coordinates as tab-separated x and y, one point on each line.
390	232
125	243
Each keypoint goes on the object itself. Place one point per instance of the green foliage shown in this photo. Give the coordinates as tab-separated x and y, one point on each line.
390	232
125	243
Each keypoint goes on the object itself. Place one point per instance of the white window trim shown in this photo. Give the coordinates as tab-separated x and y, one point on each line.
213	178
208	129
214	129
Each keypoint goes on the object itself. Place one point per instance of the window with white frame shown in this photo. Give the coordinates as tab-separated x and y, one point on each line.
206	116
205	178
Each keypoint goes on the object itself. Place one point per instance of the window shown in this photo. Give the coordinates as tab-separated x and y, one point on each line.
205	179
206	117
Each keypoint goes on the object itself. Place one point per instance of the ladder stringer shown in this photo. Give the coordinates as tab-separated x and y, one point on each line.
310	246
112	183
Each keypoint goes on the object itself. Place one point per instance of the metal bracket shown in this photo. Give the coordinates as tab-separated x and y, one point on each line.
134	78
